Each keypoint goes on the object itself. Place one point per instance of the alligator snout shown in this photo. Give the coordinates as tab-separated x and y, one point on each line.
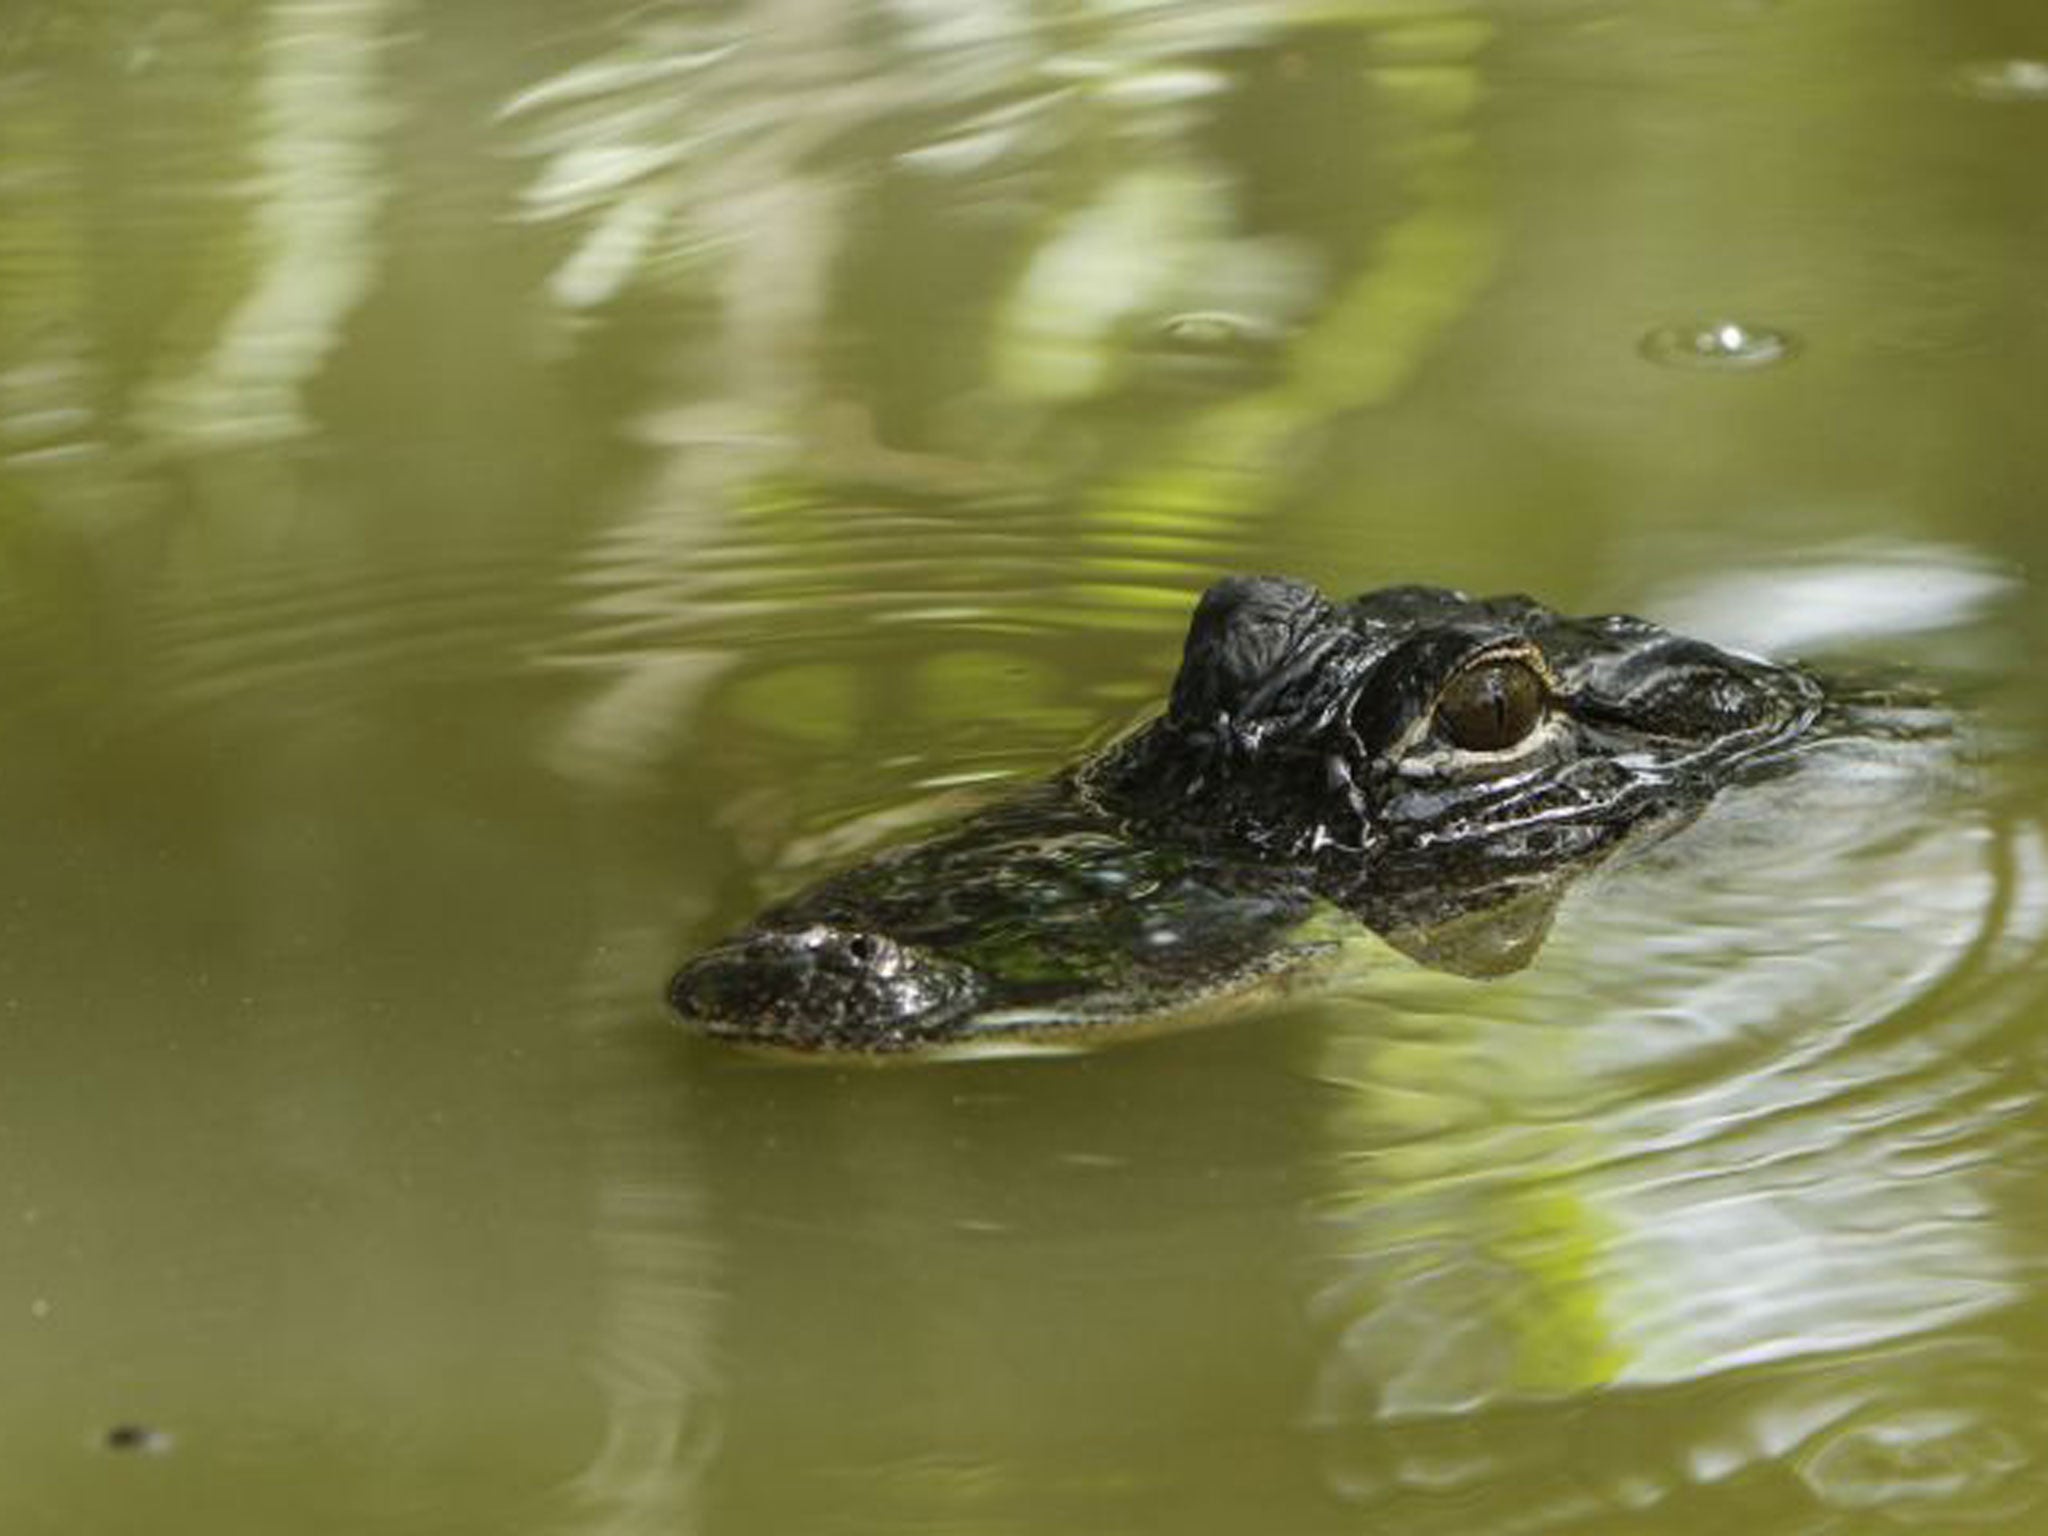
804	988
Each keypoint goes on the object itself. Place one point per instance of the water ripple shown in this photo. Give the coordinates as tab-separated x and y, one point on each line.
267	623
805	580
1755	1110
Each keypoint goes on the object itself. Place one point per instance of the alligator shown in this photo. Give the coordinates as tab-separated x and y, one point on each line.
1435	767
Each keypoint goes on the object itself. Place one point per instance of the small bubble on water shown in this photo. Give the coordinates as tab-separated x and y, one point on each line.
1717	345
2005	80
1213	332
1210	349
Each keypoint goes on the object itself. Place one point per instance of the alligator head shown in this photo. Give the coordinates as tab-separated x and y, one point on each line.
1426	753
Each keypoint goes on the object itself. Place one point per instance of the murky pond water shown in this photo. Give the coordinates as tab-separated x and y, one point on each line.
491	493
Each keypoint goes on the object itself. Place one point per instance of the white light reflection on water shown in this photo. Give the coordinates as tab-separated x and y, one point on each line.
321	183
2005	80
1836	597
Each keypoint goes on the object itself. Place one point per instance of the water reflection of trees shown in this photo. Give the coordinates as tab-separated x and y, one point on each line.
943	298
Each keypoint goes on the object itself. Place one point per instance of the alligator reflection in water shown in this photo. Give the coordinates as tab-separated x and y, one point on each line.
1738	1175
1430	765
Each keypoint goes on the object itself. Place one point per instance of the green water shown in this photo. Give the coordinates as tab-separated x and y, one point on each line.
491	493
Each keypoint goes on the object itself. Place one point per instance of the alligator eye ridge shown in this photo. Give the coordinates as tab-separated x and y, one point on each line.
1492	706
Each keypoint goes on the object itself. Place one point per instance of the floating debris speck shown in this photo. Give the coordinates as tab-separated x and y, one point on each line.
137	1440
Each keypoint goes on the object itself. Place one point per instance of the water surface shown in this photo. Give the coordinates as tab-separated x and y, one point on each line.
489	494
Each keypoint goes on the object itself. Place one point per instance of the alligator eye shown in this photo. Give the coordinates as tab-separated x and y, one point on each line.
1493	706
